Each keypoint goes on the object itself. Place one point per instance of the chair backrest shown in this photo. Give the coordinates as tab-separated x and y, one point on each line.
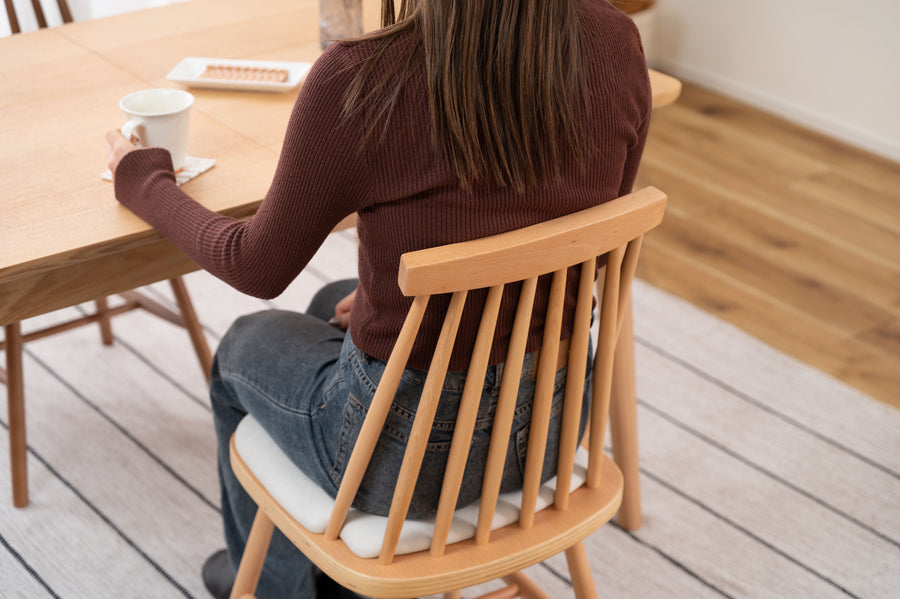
614	229
64	12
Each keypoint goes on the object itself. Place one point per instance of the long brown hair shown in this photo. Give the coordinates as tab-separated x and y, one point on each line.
505	84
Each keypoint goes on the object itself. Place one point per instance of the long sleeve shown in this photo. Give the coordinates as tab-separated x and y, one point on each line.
321	178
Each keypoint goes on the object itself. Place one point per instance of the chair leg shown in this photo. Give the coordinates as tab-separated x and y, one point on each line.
15	392
623	425
192	324
527	588
105	321
254	555
580	570
508	592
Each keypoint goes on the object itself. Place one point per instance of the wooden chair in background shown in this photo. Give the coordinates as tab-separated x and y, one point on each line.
64	12
459	548
14	341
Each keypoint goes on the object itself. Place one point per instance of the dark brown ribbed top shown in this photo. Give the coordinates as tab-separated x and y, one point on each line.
405	196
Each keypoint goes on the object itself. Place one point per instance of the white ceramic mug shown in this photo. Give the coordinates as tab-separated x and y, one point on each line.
158	118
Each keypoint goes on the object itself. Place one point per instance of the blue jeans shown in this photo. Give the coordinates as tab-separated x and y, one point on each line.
310	388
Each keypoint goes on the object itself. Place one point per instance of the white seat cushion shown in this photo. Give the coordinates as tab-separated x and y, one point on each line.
307	503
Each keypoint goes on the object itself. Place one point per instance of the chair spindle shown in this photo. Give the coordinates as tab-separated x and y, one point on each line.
543	399
421	430
375	418
465	420
506	406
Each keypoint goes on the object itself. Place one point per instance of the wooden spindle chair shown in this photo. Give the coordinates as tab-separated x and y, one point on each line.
323	530
64	12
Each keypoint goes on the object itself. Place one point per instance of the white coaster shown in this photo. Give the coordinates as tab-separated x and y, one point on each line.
191	168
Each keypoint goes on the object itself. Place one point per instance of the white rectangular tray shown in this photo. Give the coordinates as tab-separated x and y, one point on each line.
188	72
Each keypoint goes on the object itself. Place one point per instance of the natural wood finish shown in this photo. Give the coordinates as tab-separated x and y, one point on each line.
374	422
104	320
787	234
580	569
192	324
506	405
623	425
577	367
526	254
371	578
14	343
508	592
527	588
15	393
422	425
446	269
543	400
255	550
465	421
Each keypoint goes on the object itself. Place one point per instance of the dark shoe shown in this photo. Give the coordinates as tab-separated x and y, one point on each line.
218	574
326	588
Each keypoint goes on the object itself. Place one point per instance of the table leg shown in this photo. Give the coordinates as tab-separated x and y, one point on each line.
105	320
192	324
15	393
623	423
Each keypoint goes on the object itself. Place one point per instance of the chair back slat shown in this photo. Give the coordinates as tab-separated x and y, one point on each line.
422	424
603	363
543	398
576	370
506	407
547	247
465	420
629	267
375	418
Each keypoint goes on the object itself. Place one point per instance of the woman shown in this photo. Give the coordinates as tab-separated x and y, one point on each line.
457	121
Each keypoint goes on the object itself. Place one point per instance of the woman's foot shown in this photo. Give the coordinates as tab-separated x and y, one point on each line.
218	578
218	574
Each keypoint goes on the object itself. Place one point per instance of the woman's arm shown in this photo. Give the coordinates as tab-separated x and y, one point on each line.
321	178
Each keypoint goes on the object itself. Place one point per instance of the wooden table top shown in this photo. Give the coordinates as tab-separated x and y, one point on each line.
60	91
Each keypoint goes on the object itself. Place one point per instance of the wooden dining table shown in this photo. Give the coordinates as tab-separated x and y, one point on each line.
64	239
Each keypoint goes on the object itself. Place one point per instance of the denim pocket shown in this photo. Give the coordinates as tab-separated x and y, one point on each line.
521	429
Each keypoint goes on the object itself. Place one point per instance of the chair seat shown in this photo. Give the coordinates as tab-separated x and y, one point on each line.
301	509
311	507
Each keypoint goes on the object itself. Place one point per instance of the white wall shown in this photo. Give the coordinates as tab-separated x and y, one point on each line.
81	10
832	65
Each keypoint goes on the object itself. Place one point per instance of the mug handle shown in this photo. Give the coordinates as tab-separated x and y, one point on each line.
129	128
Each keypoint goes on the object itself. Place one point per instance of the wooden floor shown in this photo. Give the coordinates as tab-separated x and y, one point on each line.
789	235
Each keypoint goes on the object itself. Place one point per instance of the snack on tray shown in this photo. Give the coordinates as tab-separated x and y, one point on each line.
241	73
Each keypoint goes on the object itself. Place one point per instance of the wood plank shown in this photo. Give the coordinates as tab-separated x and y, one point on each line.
787	329
864	493
791	236
794	391
712	245
791	525
103	485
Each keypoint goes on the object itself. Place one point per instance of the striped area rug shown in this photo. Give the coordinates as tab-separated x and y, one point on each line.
761	477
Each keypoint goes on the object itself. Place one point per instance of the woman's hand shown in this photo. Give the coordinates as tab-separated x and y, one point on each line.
117	147
342	312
